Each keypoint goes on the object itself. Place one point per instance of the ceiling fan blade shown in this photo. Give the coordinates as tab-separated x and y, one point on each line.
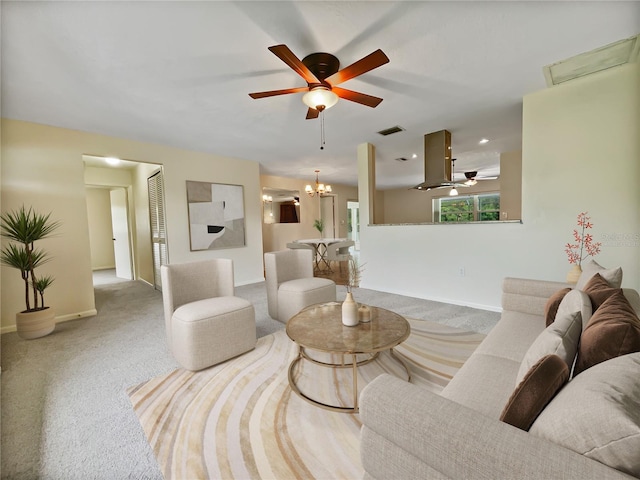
312	113
362	98
273	93
287	56
365	64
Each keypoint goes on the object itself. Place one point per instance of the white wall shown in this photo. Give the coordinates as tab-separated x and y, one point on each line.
580	153
42	166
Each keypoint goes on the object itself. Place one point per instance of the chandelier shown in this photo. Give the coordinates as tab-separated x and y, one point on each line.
321	189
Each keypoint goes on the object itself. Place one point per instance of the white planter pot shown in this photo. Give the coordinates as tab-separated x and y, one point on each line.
35	324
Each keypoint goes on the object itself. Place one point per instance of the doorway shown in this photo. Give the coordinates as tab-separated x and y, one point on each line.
353	222
125	202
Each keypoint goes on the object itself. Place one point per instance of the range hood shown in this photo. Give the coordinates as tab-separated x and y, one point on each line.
437	161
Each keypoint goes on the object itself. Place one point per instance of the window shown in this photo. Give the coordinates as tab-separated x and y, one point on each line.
467	208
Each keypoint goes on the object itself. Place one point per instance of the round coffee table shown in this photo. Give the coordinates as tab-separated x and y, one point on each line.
319	327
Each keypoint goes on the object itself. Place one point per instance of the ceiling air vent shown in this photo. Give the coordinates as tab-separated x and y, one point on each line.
392	130
612	55
401	159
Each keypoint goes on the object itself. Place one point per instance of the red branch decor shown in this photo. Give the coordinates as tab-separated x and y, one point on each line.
584	245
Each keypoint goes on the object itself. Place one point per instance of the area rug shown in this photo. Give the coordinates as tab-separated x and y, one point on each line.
240	419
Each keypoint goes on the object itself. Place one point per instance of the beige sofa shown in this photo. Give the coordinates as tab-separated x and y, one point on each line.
409	432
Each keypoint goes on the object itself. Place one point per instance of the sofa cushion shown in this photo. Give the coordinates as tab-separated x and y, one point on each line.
475	389
614	330
538	387
560	338
551	307
596	414
512	336
598	290
613	276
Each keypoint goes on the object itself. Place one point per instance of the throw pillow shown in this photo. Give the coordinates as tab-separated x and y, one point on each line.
560	338
551	307
614	330
598	290
613	276
597	414
536	390
576	301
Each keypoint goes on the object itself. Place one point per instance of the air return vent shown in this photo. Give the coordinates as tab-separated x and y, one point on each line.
392	130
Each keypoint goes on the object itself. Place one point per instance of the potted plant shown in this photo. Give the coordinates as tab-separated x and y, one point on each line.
23	228
583	247
318	224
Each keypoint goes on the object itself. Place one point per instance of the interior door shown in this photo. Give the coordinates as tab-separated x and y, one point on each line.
120	224
160	254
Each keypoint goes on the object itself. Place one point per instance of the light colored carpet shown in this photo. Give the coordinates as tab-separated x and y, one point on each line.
65	410
240	419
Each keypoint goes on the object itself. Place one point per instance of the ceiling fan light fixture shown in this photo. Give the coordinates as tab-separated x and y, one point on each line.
320	97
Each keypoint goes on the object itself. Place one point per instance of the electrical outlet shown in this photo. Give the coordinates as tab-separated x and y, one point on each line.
461	271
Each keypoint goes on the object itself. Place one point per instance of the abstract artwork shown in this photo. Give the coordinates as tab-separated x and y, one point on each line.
216	215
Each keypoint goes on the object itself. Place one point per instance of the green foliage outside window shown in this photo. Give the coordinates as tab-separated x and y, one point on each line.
472	208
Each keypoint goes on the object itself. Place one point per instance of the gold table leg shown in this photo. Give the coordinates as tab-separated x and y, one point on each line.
354	366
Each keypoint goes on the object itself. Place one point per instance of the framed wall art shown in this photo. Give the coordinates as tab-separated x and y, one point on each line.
216	215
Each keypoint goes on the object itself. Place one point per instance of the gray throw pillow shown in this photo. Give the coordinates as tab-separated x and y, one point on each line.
560	338
596	414
613	276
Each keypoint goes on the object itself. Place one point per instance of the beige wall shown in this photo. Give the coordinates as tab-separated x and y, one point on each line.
275	236
100	228
511	185
580	153
42	166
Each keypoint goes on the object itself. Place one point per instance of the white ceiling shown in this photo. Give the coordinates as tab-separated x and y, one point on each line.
179	73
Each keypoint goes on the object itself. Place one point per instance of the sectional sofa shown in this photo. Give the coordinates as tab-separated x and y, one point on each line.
532	402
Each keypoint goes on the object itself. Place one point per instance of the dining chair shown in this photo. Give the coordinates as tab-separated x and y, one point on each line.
291	285
205	323
339	252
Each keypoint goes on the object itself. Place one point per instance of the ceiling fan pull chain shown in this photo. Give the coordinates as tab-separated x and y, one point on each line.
322	135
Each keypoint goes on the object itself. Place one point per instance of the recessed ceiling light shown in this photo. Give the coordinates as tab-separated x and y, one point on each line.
415	155
483	141
112	160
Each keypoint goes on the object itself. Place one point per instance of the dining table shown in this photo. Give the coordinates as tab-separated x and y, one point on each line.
319	245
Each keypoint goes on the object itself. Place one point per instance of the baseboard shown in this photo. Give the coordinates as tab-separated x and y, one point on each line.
145	282
250	282
479	306
59	319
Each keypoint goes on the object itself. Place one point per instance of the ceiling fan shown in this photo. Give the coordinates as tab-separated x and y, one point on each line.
322	73
472	178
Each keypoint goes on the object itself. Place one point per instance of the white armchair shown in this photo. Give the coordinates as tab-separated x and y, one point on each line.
291	285
205	323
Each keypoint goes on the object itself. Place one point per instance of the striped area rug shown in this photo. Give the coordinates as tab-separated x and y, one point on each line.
240	419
